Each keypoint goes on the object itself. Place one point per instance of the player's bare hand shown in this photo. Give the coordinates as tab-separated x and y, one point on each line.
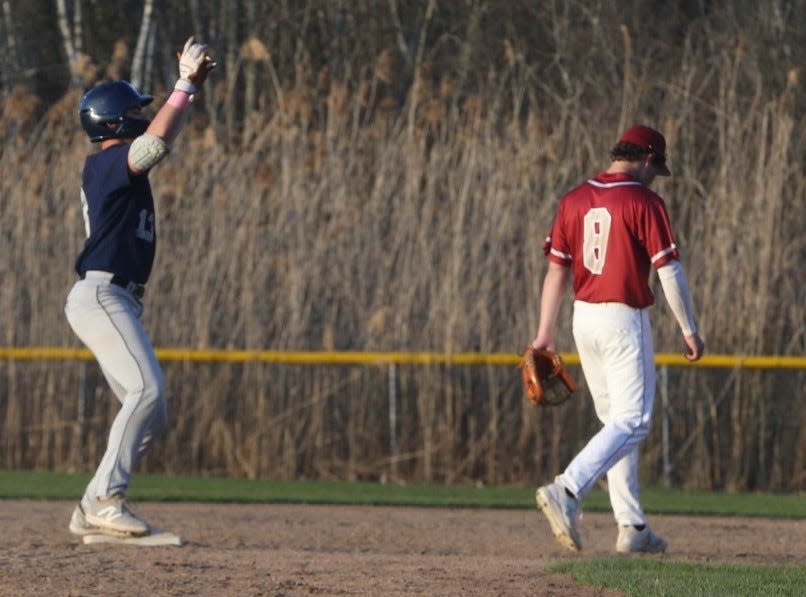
543	342
696	347
195	62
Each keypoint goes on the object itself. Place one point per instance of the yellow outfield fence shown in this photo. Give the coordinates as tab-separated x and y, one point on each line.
403	358
392	360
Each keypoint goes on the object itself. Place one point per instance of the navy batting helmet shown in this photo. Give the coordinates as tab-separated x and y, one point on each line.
108	103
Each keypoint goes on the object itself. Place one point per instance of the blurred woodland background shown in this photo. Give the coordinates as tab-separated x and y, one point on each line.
380	175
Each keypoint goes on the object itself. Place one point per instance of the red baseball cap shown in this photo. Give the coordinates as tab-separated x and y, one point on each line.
652	141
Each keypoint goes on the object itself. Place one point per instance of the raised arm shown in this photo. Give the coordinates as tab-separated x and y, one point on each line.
150	148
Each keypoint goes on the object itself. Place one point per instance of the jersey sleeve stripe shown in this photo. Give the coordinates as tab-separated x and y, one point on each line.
664	253
557	253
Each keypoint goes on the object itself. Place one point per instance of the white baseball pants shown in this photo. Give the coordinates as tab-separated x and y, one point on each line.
614	342
107	320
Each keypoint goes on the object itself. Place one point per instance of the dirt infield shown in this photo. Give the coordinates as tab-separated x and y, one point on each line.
345	550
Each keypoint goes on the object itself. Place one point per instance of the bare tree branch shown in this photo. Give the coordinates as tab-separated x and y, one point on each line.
399	37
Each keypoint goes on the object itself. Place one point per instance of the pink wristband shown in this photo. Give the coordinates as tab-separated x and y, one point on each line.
179	100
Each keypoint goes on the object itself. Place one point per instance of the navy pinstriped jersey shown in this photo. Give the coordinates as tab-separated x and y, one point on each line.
118	217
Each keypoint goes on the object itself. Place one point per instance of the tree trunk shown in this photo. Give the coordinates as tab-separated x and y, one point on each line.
78	33
146	34
8	52
67	36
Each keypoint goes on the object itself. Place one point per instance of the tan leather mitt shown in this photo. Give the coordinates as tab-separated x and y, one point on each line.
546	381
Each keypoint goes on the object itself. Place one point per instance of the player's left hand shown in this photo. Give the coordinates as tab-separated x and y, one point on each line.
195	62
696	347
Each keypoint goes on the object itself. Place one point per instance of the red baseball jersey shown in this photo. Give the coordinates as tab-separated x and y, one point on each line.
610	230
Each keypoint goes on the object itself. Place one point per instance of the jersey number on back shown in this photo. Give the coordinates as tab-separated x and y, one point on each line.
597	231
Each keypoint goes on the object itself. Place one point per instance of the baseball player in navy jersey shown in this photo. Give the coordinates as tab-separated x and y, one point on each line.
105	304
607	235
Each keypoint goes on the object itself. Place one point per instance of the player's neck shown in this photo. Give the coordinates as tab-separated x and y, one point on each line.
107	143
636	170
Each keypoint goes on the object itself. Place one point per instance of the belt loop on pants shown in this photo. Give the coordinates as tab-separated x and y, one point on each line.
136	290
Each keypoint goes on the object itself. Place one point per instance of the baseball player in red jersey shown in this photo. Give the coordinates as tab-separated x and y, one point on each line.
607	234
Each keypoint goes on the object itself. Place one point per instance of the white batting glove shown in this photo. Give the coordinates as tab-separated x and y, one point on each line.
191	59
194	64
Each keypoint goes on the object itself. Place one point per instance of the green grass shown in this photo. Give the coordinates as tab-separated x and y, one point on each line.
49	485
636	577
53	485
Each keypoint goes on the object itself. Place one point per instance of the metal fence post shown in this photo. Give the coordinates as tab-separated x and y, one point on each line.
81	416
664	397
393	415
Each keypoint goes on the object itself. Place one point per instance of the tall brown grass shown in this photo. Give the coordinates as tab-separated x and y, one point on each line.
322	211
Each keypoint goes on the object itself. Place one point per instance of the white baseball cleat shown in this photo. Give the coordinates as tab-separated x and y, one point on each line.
92	534
562	512
79	525
111	513
631	540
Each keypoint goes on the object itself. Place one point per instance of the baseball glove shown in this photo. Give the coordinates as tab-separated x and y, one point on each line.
546	381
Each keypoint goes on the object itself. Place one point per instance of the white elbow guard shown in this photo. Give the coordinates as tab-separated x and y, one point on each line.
146	151
675	287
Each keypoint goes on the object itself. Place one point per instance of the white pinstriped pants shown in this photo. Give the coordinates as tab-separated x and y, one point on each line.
107	320
614	342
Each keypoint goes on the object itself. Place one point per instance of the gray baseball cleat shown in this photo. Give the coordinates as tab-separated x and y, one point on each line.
562	512
111	514
631	540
